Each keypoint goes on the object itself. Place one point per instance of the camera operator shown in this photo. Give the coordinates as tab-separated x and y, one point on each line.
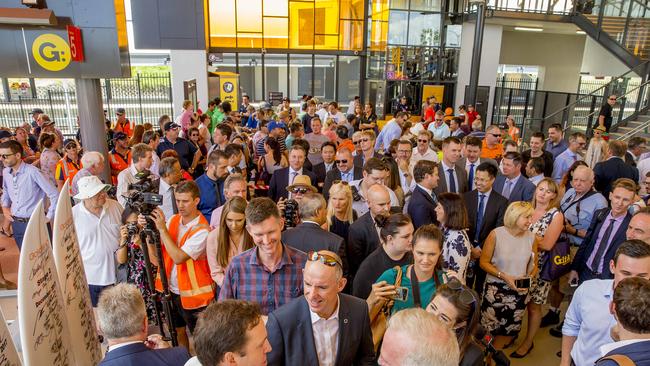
183	237
141	158
170	175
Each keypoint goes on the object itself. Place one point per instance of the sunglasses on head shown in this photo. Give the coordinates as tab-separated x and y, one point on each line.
326	259
465	295
300	190
344	161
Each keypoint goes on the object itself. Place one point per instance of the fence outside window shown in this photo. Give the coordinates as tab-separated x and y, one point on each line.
145	97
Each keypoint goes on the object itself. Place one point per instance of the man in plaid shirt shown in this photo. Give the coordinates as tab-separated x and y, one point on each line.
269	274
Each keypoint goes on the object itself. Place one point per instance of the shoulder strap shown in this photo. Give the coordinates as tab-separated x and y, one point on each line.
621	360
415	287
586	195
398	283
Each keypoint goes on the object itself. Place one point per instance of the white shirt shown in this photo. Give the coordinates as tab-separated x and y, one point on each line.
322	114
467	169
446	173
428	155
402	179
194	247
120	345
536	179
167	206
644	168
326	336
99	238
609	347
328	167
155	165
126	177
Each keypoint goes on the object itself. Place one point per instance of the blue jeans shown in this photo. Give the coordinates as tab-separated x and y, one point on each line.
19	232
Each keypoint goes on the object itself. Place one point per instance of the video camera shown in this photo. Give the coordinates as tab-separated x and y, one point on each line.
143	195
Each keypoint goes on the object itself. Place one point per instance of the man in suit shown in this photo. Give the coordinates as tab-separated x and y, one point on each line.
614	168
636	146
422	207
631	333
323	327
453	177
122	319
363	237
309	236
282	178
320	170
512	185
344	170
485	210
473	159
605	234
231	333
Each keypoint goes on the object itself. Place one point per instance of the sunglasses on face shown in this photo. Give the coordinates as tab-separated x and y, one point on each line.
496	135
423	141
612	98
344	161
4	156
356	142
326	259
345	183
299	190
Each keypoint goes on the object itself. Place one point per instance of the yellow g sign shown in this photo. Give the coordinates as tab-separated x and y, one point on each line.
51	52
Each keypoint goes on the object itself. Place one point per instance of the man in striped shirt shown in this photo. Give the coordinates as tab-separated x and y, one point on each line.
269	274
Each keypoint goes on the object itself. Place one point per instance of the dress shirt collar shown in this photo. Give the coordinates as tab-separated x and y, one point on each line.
164	187
536	179
445	167
194	222
21	169
315	317
329	166
284	260
513	181
476	163
486	194
120	345
609	347
299	171
310	222
429	191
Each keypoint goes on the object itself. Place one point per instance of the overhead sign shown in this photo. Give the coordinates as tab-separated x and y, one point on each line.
51	52
76	43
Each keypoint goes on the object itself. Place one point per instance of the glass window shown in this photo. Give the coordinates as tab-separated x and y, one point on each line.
276	8
300	67
276	32
351	35
352	9
424	29
399	4
376	65
429	63
378	34
249	40
249	16
349	78
324	76
222	23
327	16
398	26
453	35
449	66
250	75
425	5
301	25
275	72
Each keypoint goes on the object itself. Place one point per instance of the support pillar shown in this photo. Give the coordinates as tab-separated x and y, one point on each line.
470	98
91	119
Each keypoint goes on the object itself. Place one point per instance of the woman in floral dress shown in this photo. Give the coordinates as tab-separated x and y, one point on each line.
452	215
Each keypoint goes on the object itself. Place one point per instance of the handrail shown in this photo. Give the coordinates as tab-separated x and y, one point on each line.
643	126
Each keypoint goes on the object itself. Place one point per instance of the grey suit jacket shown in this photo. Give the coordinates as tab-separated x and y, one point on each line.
463	162
461	182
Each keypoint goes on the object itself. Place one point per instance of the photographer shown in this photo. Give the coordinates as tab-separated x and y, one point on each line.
141	155
183	237
130	253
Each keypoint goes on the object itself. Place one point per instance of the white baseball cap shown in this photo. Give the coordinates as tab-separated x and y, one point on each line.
89	187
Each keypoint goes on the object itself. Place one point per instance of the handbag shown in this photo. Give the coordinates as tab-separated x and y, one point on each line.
557	261
380	312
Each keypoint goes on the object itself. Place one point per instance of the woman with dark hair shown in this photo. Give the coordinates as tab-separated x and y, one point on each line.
421	279
49	144
229	239
194	137
457	305
369	119
272	160
565	184
452	215
130	254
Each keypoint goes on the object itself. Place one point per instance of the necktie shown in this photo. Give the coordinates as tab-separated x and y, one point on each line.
174	207
452	181
470	177
293	176
434	198
602	246
479	217
507	189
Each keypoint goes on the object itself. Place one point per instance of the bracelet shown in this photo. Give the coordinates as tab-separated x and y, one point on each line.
499	274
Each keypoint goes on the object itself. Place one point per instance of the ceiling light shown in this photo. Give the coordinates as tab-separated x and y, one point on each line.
527	29
580	32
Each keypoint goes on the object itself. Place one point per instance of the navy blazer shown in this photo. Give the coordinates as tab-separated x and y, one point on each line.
292	340
495	209
588	244
137	354
606	172
308	236
335	174
319	172
638	352
280	182
363	239
422	208
524	190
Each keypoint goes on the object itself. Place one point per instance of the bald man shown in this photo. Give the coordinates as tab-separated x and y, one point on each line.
309	329
363	237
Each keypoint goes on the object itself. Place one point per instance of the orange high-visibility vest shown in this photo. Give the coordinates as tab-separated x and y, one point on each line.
194	282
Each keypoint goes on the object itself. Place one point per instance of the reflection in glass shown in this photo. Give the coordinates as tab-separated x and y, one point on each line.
398	27
324	76
424	29
250	75
351	37
222	28
425	5
301	25
275	73
453	35
349	78
299	75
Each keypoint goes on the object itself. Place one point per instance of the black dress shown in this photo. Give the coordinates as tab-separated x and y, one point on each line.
341	228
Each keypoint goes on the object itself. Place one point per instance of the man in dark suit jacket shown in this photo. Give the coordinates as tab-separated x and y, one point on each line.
422	206
295	329
608	171
320	170
494	208
636	146
632	330
120	307
363	237
451	148
523	189
282	178
309	236
344	170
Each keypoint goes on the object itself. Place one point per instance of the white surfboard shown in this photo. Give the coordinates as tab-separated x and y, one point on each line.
8	353
72	278
41	314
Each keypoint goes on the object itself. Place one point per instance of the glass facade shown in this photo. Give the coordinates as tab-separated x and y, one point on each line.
335	49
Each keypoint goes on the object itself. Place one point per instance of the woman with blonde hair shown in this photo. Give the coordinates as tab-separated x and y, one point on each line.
22	136
508	258
328	129
340	214
598	148
229	239
547	225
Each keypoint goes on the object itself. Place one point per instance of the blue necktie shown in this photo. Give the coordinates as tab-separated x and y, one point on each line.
470	177
479	217
452	181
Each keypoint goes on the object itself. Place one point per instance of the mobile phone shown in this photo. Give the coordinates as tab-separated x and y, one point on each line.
401	293
523	282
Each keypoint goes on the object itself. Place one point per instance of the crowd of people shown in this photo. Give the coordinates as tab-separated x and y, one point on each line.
302	235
